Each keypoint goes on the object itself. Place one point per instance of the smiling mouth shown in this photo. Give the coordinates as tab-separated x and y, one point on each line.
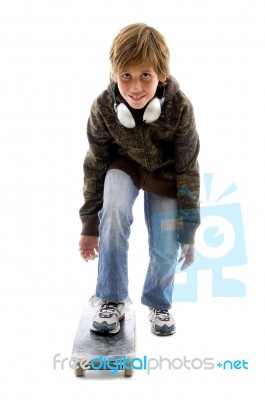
136	98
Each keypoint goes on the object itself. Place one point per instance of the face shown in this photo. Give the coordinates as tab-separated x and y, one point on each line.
138	85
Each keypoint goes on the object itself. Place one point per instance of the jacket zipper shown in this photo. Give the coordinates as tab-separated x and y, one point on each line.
144	147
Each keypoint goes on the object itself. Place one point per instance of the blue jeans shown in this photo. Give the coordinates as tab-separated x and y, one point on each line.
116	218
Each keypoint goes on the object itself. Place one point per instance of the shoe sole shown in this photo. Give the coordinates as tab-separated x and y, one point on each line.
165	333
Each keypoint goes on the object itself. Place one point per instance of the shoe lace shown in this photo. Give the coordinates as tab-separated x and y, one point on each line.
107	309
162	314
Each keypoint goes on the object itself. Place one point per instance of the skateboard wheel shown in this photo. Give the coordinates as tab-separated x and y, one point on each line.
128	372
79	371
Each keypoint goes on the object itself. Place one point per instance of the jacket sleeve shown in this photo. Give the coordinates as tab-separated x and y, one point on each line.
95	166
188	176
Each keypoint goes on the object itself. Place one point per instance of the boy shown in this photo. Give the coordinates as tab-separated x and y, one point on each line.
142	135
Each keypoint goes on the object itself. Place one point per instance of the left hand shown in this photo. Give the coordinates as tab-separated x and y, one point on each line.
187	254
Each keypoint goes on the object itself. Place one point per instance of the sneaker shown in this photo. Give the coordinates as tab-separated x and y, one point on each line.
107	318
162	322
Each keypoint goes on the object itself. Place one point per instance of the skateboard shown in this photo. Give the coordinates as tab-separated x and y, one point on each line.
92	351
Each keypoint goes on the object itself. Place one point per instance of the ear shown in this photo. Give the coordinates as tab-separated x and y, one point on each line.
162	78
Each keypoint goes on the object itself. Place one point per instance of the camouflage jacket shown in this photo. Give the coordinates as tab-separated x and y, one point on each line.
160	157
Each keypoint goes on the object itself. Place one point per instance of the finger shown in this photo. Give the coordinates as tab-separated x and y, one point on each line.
83	256
93	253
182	256
185	265
184	251
188	261
89	255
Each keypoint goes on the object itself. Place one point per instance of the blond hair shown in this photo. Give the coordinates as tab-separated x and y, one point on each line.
136	44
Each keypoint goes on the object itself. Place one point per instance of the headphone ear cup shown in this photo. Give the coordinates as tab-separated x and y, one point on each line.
153	111
124	116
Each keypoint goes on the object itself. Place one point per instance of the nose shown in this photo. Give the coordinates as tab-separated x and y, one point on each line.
136	85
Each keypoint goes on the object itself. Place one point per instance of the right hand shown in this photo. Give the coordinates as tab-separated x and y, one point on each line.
89	247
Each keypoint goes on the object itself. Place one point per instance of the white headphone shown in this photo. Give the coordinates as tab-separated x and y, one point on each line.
151	113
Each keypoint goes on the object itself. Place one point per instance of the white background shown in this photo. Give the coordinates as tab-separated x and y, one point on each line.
54	61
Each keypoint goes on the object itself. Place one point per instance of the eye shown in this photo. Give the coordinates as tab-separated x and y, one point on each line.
126	76
146	75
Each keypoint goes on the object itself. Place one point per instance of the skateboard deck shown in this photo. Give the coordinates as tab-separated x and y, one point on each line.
92	351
